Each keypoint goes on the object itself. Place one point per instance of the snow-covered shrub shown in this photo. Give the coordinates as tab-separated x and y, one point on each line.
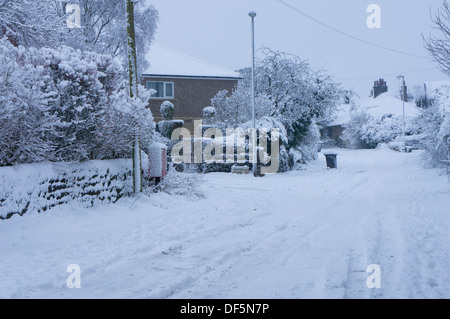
288	90
237	142
209	114
435	128
437	145
178	183
214	155
66	105
168	125
79	100
268	124
167	109
124	119
165	128
300	155
296	161
27	125
284	163
309	146
367	131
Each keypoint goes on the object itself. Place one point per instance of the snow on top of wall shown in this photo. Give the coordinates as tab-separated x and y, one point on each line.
40	186
165	61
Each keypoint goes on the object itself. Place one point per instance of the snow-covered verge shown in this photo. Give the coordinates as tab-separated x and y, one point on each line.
300	234
39	187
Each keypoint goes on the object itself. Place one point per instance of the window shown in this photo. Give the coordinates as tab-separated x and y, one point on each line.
169	89
163	89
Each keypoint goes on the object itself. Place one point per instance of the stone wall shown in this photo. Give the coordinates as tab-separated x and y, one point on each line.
40	187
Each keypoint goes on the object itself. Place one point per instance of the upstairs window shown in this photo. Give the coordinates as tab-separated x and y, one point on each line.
163	90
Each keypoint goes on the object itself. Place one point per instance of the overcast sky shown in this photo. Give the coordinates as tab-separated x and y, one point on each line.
219	32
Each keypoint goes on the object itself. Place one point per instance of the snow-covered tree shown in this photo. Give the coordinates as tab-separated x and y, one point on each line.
233	108
434	124
124	119
99	119
287	89
79	99
32	23
64	104
27	125
104	27
299	94
43	23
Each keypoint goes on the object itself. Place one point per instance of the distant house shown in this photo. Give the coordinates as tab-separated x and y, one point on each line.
188	83
335	128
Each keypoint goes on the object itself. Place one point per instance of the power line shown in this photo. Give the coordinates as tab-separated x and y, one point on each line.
349	35
384	75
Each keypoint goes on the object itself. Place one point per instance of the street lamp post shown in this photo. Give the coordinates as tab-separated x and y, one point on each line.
402	95
252	14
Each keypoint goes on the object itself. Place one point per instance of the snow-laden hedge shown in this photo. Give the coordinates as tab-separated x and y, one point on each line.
223	148
368	131
64	105
434	124
39	187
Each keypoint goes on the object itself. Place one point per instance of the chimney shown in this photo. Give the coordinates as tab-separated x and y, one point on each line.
379	87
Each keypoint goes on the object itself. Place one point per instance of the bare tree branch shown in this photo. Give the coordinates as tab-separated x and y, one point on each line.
439	48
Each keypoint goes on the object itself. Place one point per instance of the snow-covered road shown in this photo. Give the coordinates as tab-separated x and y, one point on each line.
307	234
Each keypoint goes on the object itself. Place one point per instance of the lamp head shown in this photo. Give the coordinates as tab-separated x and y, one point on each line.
252	14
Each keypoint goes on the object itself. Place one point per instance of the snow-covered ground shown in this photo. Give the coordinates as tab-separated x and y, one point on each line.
306	234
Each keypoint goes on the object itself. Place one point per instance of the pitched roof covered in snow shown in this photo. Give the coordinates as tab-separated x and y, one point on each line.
167	62
386	103
342	115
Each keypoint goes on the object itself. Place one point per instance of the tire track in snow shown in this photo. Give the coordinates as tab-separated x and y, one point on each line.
223	263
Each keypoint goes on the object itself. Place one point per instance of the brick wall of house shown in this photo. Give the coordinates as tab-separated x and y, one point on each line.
191	95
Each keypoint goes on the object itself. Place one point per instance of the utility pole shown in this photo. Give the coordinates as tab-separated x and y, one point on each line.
403	97
252	14
134	82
